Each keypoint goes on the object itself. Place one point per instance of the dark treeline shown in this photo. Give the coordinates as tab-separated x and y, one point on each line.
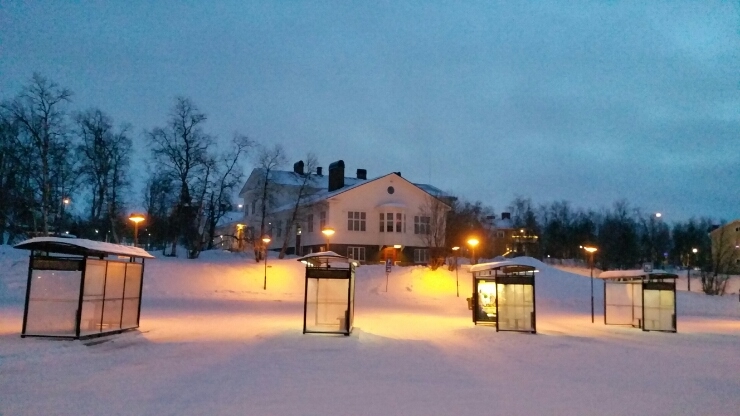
625	236
67	171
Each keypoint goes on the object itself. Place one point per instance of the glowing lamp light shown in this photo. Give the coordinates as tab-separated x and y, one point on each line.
693	250
66	200
590	249
455	248
328	231
266	239
473	242
396	246
136	218
658	215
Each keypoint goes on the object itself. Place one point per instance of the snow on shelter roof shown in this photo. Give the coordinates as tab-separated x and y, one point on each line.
81	246
325	257
626	274
499	265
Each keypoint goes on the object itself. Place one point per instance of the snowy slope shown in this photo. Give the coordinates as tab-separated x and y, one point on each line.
212	341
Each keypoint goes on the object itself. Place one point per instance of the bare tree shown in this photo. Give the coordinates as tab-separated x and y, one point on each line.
301	192
39	115
105	156
229	176
269	159
181	148
433	216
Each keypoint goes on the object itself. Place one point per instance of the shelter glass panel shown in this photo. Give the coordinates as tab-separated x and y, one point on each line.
486	301
327	305
637	305
619	303
515	307
113	304
92	299
659	308
52	306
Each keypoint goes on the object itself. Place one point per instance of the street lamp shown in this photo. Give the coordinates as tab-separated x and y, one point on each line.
136	219
591	250
472	242
688	269
265	239
457	279
65	202
328	232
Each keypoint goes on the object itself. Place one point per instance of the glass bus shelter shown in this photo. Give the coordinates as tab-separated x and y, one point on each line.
329	300
76	291
504	296
645	300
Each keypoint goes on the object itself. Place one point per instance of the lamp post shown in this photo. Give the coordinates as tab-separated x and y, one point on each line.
239	236
65	202
457	279
328	232
688	269
136	219
472	242
591	250
265	239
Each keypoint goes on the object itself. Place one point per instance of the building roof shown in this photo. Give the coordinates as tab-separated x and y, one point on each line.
324	194
290	178
81	247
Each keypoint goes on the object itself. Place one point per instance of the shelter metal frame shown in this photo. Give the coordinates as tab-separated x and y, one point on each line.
330	268
507	276
660	287
74	273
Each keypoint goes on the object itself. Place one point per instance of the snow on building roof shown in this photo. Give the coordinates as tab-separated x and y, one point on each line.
503	223
324	194
230	218
81	246
621	274
325	257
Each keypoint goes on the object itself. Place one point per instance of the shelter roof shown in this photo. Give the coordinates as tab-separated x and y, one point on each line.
500	264
622	274
325	257
81	246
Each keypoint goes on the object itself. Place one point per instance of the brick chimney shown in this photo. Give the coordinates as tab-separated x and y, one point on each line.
336	175
505	215
319	171
298	167
361	174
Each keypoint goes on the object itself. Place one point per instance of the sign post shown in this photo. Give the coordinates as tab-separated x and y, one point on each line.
388	264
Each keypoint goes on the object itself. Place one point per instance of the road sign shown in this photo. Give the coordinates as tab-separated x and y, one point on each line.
388	264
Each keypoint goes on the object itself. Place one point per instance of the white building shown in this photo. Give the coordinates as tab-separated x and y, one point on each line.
375	219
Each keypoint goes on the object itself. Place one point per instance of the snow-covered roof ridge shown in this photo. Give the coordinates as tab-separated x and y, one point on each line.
63	245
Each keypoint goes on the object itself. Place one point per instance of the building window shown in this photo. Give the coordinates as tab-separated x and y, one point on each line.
421	255
322	220
309	222
254	207
392	221
279	227
356	253
500	234
421	225
356	221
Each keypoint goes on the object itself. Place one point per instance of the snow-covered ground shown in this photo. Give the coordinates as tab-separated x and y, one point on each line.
213	342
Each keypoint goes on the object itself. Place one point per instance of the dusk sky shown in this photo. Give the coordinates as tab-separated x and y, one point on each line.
586	102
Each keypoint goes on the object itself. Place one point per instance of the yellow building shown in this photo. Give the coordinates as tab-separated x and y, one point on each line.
726	248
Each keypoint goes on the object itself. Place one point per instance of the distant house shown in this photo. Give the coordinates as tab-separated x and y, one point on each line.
726	247
509	241
387	217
